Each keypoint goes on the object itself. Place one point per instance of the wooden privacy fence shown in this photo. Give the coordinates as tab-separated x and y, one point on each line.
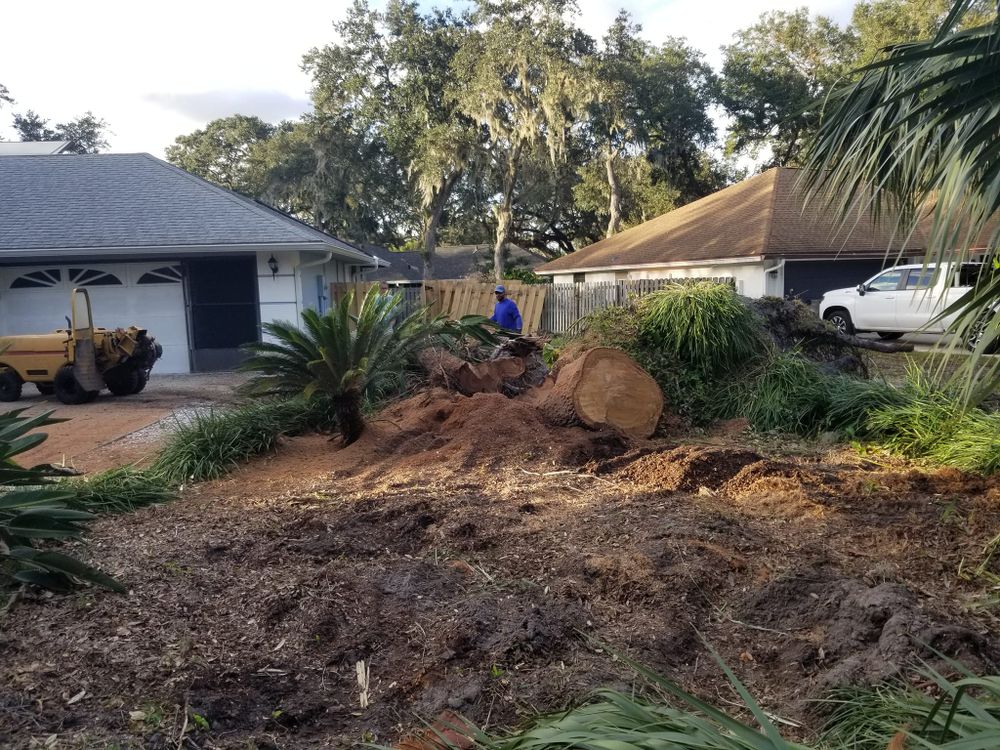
553	308
455	298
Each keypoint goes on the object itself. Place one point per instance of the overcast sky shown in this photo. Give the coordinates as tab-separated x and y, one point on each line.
155	70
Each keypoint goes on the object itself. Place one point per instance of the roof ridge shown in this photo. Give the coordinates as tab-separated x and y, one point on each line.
232	196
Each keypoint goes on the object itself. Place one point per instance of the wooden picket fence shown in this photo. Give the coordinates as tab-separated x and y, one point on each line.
551	308
568	303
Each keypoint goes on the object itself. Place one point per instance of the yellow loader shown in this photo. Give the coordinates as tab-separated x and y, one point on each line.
75	363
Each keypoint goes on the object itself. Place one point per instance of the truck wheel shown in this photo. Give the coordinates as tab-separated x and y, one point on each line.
122	382
10	385
976	331
46	389
889	335
68	390
840	319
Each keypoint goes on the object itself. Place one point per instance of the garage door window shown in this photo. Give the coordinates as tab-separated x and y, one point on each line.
165	275
37	279
92	277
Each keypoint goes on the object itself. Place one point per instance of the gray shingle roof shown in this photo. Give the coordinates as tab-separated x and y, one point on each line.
104	201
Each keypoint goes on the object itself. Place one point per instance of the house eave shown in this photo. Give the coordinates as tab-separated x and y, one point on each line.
651	266
46	254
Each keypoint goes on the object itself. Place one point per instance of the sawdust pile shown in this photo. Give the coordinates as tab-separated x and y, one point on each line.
440	431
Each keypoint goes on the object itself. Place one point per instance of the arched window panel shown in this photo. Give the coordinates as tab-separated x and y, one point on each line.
164	275
38	279
92	277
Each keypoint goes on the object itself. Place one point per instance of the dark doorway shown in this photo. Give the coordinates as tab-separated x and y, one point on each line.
222	296
811	279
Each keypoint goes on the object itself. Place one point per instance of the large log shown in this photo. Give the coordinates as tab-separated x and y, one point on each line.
605	388
445	369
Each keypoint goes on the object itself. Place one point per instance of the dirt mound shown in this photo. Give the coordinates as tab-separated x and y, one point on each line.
848	632
444	431
688	467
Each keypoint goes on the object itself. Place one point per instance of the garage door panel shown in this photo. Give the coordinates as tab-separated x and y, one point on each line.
157	307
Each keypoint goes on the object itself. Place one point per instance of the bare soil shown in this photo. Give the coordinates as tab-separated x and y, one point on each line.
468	559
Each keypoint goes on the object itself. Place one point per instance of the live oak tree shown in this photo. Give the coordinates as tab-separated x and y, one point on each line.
392	72
226	152
652	103
519	75
772	74
883	23
87	134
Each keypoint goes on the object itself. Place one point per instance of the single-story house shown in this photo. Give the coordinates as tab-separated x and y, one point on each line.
201	267
760	232
450	262
33	148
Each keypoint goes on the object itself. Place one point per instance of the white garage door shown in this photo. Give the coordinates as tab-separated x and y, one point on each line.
151	295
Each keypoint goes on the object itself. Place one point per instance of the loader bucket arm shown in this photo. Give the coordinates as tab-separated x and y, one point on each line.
82	351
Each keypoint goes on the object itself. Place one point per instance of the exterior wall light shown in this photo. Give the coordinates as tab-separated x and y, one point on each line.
272	263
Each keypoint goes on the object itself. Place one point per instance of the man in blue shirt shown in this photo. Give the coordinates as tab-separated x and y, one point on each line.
505	313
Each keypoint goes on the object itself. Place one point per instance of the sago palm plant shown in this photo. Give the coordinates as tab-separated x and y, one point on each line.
348	358
34	507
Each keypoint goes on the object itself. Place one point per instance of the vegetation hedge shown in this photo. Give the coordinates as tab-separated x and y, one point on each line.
714	357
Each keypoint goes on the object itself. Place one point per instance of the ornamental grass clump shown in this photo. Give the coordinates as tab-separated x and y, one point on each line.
213	443
960	714
119	490
788	394
704	324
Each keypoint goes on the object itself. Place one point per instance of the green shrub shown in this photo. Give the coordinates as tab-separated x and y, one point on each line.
119	490
216	442
788	394
705	325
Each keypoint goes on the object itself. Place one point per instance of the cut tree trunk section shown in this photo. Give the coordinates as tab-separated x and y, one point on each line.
445	369
604	388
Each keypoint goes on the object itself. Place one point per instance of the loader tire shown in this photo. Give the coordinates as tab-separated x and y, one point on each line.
68	390
141	382
123	382
10	385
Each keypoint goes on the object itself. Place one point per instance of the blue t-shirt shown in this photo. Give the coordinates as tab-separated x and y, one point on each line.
506	315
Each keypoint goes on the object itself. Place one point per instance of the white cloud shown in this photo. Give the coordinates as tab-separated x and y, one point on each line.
270	106
156	69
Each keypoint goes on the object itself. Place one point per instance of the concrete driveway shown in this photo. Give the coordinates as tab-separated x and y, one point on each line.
112	431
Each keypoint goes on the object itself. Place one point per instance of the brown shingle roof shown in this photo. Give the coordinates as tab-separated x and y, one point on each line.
762	216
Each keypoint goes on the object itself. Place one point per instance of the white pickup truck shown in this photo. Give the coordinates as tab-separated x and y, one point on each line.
902	299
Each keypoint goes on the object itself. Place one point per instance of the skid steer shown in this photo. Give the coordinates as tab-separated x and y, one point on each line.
77	362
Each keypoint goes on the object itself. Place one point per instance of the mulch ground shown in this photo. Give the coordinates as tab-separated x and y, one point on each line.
464	558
